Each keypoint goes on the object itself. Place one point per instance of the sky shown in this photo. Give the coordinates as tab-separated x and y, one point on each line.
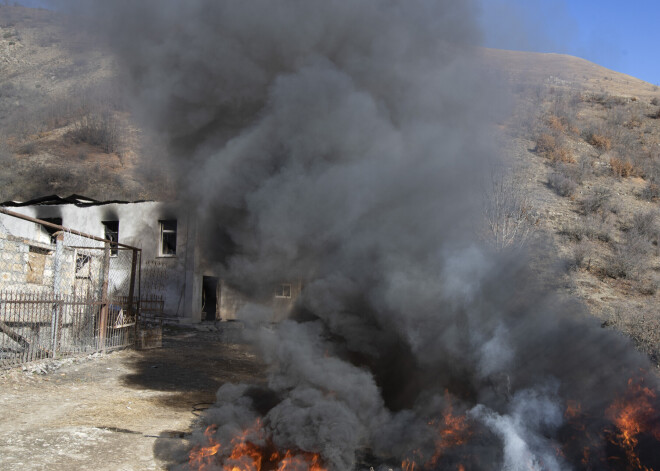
621	35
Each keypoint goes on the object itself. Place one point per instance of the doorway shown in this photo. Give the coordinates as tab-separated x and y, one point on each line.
209	298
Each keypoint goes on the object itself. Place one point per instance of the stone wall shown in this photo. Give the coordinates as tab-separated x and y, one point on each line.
29	266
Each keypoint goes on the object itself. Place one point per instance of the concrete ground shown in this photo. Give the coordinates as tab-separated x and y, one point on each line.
119	411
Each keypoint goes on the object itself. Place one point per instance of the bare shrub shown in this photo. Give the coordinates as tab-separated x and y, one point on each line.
582	170
28	148
651	192
97	129
509	216
545	144
648	287
580	256
591	228
597	98
629	259
562	184
620	264
595	201
655	101
642	326
644	224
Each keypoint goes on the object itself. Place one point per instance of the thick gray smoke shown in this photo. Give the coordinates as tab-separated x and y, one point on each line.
344	143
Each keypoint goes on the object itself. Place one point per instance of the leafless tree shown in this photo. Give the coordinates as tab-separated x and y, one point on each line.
509	216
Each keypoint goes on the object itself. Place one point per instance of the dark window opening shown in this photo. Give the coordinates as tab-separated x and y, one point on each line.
83	266
168	238
112	233
51	230
283	291
210	298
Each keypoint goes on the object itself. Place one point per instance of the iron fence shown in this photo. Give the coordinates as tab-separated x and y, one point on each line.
64	292
36	326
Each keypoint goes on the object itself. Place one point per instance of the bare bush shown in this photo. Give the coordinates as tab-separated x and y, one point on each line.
591	228
621	264
28	148
596	201
545	144
510	218
642	326
580	256
644	224
651	192
97	129
562	184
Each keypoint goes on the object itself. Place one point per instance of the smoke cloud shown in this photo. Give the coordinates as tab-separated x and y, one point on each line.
344	144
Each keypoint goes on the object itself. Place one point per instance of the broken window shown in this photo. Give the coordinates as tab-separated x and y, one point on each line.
283	290
83	266
167	238
112	233
36	263
51	230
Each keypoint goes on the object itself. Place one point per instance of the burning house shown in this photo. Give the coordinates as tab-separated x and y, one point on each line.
173	269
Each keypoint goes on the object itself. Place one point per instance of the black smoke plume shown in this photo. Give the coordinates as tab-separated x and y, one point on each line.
344	143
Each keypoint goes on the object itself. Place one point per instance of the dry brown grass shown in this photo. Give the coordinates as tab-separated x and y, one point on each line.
623	168
600	142
556	124
549	147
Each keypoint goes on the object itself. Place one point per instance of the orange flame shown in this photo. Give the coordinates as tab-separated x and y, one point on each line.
408	465
201	457
243	454
451	431
630	415
306	461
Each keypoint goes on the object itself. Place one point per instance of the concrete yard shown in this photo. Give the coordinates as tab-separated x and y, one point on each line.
120	411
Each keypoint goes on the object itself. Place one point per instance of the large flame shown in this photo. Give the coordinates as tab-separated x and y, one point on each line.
630	415
243	454
628	418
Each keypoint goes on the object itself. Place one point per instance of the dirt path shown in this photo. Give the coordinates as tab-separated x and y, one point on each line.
106	413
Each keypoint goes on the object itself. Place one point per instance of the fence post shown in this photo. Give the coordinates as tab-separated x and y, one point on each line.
57	283
131	286
103	322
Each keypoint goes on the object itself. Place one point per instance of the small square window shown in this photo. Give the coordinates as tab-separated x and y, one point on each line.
167	238
283	290
111	232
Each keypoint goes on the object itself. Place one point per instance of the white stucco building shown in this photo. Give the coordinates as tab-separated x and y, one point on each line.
172	263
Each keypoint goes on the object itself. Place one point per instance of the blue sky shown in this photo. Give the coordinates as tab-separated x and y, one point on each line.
620	35
617	34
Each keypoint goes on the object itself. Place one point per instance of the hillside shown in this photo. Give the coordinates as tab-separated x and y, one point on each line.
63	124
583	143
